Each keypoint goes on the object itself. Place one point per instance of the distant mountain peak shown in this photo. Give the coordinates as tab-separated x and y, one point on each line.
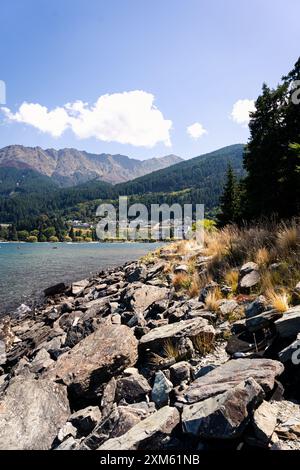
70	166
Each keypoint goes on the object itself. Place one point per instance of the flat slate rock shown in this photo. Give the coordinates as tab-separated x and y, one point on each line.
289	324
264	421
224	416
95	359
181	329
154	427
230	374
31	414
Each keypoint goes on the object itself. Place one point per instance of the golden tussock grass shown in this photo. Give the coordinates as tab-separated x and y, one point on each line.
263	257
212	301
288	239
231	279
204	343
181	281
195	286
170	350
278	300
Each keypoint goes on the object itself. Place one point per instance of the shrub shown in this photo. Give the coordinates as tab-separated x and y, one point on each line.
32	239
23	235
53	239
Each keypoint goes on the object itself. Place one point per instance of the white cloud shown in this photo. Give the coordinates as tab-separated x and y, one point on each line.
54	122
196	130
127	118
241	111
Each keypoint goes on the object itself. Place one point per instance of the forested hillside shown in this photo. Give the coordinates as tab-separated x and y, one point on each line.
205	172
16	181
271	188
199	180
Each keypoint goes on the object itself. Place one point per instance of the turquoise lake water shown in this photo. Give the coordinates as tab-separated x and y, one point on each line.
27	269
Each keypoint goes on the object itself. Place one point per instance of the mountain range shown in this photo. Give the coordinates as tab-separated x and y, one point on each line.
69	167
26	194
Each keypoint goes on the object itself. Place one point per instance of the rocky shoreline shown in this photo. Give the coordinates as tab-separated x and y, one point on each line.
123	361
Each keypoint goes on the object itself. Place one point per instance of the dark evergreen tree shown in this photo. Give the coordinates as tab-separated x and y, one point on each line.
228	199
272	157
12	233
71	233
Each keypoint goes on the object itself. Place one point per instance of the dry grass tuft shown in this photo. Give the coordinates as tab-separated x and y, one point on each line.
170	350
262	257
279	301
181	281
212	301
204	343
288	239
231	279
195	286
182	247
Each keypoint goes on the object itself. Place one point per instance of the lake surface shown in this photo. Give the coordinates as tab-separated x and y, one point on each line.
27	269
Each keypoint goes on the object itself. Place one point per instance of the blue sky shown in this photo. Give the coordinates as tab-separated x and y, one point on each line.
191	59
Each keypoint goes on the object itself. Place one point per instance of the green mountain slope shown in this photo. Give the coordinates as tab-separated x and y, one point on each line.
199	180
16	181
203	176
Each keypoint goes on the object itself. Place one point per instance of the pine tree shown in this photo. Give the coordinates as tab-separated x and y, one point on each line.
271	158
71	233
228	199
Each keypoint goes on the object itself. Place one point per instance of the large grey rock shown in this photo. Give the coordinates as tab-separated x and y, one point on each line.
31	413
291	352
288	419
2	353
224	416
85	420
148	433
289	325
96	359
263	320
264	422
136	273
41	361
248	268
133	388
183	329
120	420
141	296
230	374
248	281
161	389
54	290
127	419
66	431
69	444
181	371
108	397
79	286
228	306
256	307
102	431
